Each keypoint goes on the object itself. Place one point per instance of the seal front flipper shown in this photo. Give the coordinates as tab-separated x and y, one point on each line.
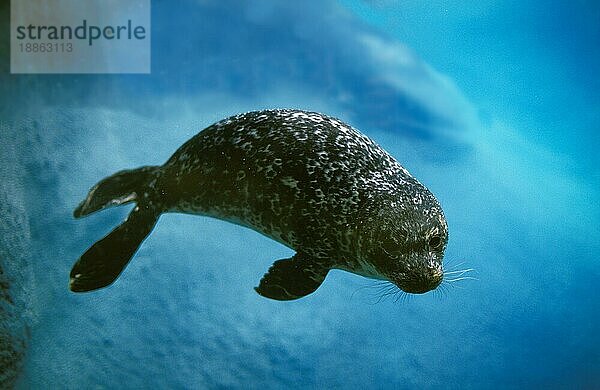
292	278
101	264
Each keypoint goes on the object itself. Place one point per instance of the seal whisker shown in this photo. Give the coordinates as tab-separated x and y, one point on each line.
378	285
392	290
443	289
437	293
387	289
382	285
360	288
382	289
461	278
454	285
451	267
382	296
461	272
402	296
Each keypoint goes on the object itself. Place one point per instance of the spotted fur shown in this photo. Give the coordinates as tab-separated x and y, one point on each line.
314	184
302	178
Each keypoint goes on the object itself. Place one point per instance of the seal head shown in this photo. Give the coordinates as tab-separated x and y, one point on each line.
404	240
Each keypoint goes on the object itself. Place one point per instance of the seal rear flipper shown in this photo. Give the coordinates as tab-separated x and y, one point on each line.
104	261
120	188
292	278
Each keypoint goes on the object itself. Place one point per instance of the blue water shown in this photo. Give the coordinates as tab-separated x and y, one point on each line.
493	106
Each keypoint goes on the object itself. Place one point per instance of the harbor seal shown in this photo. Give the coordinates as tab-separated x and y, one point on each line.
304	179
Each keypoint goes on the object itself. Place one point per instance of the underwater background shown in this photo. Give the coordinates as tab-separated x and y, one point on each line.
494	106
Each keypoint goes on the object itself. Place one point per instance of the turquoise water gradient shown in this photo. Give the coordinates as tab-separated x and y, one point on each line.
530	64
493	106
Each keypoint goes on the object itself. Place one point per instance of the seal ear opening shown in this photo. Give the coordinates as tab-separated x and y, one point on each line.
104	261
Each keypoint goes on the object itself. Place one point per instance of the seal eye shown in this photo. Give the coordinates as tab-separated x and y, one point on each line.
435	242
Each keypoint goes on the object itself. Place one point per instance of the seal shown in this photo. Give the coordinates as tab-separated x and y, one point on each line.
304	179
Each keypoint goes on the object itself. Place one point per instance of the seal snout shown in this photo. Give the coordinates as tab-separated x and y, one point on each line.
421	281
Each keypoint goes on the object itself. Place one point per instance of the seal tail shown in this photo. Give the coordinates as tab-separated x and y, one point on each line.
121	188
104	261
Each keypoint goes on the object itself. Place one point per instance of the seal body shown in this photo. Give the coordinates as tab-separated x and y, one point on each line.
306	180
